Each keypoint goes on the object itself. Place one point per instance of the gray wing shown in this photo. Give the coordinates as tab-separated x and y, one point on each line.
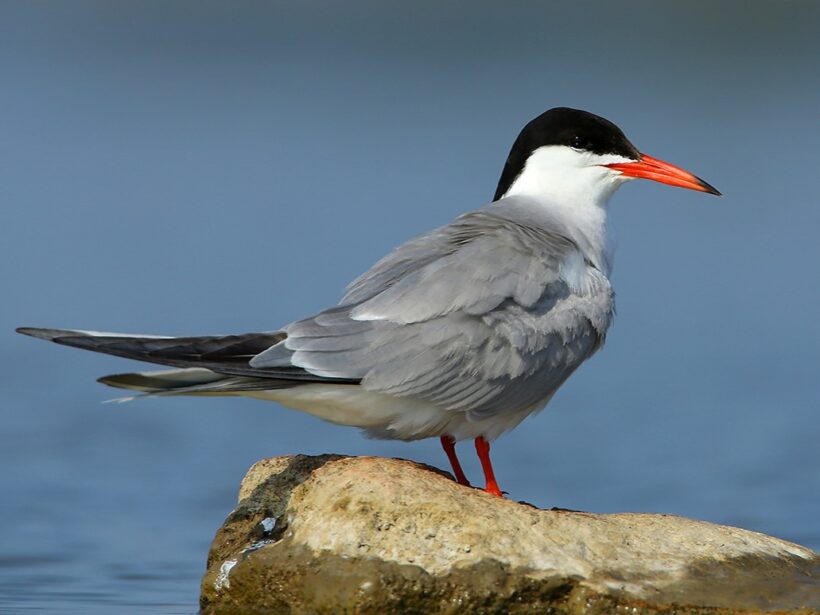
484	315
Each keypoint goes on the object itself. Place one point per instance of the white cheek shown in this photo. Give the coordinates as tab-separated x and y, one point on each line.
564	173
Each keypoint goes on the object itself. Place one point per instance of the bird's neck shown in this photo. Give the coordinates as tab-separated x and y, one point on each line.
575	201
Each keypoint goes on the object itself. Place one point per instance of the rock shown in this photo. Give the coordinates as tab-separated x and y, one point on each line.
334	534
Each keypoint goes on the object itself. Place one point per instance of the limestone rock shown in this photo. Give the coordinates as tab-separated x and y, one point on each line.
332	534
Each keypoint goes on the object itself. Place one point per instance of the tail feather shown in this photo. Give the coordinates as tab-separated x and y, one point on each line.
167	379
190	381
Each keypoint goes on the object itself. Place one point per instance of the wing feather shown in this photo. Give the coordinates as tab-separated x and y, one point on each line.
489	314
475	317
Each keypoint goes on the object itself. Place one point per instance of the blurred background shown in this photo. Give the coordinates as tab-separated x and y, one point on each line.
216	167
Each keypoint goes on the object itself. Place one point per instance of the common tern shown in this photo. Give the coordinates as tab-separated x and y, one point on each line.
459	333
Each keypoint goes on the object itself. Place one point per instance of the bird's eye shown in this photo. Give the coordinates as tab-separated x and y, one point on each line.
579	143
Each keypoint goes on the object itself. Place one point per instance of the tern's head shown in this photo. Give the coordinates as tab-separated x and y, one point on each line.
566	153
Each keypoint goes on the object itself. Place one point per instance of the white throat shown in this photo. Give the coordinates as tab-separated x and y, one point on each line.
573	188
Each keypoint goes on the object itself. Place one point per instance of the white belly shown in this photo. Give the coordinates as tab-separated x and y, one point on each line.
386	416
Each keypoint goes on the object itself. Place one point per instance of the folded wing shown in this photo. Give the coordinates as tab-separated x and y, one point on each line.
477	316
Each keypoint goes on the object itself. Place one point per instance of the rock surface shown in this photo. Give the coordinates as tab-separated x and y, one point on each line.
334	534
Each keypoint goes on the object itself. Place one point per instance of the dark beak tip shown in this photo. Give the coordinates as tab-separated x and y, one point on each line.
709	188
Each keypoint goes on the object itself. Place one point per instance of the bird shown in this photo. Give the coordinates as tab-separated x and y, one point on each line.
458	334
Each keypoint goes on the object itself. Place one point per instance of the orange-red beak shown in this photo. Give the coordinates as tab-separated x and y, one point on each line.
658	170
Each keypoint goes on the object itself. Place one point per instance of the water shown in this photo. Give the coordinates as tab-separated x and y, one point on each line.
197	168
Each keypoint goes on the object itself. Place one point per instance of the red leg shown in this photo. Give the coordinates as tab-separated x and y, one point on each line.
448	443
482	447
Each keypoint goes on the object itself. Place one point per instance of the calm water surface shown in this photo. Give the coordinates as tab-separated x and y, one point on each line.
204	167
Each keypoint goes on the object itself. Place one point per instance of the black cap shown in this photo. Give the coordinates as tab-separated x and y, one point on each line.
564	126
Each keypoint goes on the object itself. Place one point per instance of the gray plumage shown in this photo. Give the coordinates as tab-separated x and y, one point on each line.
473	317
484	316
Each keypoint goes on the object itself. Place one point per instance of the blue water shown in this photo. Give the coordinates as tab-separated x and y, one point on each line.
201	167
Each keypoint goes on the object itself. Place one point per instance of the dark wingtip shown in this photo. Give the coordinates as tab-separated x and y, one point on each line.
50	335
43	334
